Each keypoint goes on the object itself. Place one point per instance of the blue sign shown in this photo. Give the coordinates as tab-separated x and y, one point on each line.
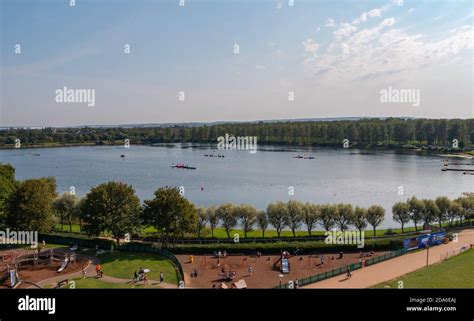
423	241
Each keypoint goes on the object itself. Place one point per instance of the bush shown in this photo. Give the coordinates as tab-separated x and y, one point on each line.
277	247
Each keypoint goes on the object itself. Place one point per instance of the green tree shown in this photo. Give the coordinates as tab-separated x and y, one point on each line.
343	215
455	210
311	215
212	218
262	221
327	219
29	207
375	216
401	213
467	204
170	213
430	211
64	206
226	214
247	215
7	186
277	215
294	215
443	203
359	218
202	220
113	207
416	210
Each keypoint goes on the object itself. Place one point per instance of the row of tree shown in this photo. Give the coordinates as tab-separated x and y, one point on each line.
292	214
115	208
440	210
361	133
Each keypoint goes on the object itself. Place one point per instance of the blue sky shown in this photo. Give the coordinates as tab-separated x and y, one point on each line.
420	45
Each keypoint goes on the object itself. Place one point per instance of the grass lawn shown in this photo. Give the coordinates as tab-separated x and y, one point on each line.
124	264
220	232
456	272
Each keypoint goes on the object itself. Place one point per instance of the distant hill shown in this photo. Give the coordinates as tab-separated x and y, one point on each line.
198	124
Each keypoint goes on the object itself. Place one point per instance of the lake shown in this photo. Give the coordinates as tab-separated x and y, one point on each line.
351	176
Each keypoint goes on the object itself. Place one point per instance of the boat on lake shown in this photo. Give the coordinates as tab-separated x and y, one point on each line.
182	166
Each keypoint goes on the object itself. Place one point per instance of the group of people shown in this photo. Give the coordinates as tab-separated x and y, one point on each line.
141	275
220	254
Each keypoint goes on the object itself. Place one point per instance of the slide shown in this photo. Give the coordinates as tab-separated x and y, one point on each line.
63	266
285	266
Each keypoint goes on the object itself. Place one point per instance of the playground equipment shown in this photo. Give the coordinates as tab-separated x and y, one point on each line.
227	274
284	262
285	266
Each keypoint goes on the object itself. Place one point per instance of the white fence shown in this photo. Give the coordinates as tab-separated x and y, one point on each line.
447	255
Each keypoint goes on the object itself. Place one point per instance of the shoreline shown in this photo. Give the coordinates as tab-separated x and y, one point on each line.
419	150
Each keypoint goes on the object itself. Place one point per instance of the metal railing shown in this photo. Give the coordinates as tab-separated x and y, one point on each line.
342	270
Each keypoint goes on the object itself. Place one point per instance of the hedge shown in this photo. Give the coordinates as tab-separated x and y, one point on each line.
277	247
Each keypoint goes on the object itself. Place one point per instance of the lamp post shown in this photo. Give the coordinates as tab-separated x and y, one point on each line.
428	249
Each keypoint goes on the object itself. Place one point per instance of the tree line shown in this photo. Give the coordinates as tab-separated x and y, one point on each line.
114	207
370	132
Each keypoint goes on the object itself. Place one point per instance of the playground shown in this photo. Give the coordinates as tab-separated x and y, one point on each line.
260	270
22	268
58	266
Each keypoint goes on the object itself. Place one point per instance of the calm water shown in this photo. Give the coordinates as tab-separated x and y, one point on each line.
334	176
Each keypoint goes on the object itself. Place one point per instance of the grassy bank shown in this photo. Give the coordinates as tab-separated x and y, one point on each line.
456	272
220	233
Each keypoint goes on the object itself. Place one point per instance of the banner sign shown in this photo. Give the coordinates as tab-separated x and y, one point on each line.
423	241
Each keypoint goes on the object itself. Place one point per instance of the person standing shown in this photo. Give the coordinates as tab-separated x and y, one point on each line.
162	277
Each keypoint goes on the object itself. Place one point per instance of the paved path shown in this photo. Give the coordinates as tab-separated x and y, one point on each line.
393	268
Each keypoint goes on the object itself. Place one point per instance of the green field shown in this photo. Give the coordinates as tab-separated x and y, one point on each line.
124	264
456	272
221	233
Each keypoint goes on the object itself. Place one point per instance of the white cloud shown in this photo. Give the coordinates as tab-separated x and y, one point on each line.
345	30
260	67
411	10
385	51
387	22
374	13
366	15
330	23
310	46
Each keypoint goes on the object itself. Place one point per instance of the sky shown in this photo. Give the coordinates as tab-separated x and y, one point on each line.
295	59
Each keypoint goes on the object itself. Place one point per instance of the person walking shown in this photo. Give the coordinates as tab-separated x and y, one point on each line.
162	277
349	274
